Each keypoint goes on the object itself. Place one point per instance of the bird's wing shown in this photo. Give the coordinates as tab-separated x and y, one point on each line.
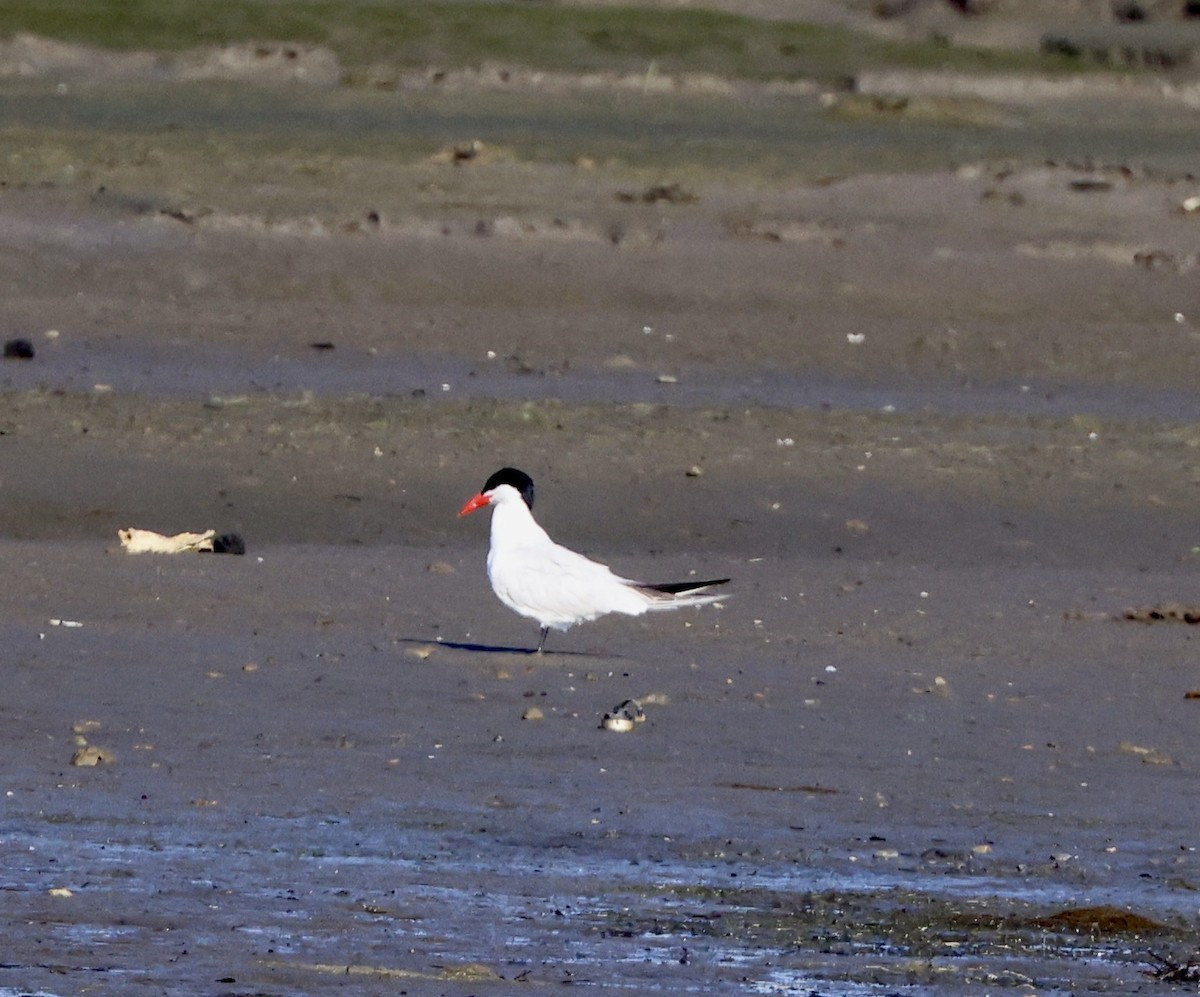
558	586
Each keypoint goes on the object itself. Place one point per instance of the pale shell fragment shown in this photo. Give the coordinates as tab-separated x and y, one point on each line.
137	541
90	757
624	717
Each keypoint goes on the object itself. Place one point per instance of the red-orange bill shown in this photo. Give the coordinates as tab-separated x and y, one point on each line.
478	502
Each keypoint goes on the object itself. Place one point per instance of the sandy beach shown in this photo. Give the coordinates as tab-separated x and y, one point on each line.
918	372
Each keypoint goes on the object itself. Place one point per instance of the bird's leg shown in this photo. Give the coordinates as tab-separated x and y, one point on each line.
541	643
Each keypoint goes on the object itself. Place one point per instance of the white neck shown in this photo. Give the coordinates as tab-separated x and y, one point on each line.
513	524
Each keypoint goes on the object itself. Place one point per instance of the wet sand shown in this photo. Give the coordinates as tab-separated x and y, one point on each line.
933	414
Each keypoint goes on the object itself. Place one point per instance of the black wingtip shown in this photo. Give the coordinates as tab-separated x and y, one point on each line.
679	588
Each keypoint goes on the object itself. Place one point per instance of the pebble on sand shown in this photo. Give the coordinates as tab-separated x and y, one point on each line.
18	349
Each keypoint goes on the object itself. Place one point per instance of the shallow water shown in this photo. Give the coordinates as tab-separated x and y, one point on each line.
279	902
546	916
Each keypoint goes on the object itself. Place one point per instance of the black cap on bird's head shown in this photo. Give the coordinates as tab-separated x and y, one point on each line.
519	480
510	476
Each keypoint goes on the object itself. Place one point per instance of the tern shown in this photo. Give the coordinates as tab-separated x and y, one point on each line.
538	578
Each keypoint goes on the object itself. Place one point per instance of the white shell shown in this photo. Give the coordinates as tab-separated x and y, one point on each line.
148	542
624	717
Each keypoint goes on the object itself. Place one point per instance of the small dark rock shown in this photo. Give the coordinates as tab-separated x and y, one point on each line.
18	349
1129	12
671	193
323	345
229	543
1061	45
179	214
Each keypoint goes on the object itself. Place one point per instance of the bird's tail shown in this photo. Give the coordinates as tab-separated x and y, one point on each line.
674	595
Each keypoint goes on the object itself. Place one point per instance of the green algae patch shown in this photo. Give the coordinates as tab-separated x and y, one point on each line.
538	36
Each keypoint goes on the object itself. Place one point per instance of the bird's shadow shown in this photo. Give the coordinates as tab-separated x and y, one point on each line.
532	652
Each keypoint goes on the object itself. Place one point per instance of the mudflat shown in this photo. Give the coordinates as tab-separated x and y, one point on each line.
917	373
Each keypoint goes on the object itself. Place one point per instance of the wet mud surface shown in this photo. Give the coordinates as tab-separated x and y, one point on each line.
884	765
928	402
